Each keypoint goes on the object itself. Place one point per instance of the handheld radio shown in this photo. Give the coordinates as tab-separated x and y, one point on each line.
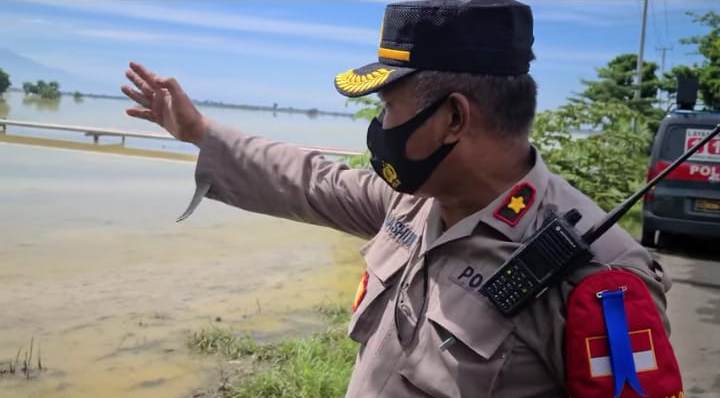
556	248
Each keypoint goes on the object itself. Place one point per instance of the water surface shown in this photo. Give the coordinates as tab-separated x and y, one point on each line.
328	131
95	270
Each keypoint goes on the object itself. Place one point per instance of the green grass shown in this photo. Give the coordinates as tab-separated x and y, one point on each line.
318	366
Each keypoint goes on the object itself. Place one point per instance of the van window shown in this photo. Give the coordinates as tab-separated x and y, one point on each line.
678	139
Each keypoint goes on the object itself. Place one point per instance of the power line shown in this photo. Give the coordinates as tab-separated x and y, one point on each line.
667	25
662	50
654	22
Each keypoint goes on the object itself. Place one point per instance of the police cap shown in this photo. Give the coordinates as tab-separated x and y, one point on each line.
492	37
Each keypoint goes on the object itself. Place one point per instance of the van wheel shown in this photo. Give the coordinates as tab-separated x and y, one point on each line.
648	237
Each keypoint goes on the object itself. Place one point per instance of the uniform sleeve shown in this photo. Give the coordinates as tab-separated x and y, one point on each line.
543	325
281	180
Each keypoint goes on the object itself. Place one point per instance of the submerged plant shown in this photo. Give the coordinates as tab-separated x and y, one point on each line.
24	365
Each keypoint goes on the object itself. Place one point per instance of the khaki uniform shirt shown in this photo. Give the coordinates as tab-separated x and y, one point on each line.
422	328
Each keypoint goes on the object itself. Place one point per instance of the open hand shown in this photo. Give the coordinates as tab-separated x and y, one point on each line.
163	101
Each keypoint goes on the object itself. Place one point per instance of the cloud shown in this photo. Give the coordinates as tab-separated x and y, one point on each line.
204	42
221	44
217	20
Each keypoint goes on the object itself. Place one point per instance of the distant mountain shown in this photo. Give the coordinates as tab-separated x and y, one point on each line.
22	69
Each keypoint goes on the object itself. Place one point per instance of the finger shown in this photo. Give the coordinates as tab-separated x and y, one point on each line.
161	102
171	85
140	83
142	114
136	96
158	101
144	73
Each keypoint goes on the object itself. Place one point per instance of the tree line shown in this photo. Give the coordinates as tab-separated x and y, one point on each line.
49	90
41	88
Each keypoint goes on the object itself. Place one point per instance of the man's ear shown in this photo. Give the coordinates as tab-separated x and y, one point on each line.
458	122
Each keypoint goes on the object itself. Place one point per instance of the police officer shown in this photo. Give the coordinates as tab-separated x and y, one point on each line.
455	187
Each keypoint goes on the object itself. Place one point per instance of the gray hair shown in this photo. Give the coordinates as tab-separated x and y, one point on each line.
507	102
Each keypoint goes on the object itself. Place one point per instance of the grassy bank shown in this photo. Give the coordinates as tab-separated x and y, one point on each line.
317	366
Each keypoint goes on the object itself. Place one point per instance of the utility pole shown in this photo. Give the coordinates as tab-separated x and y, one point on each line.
642	50
663	51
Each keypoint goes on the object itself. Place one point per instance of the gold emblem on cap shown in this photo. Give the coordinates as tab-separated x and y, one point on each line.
390	175
352	82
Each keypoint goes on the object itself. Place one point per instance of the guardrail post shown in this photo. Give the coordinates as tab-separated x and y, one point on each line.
2	128
96	138
122	141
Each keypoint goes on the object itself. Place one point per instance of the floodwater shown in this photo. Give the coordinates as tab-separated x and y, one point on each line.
94	270
328	131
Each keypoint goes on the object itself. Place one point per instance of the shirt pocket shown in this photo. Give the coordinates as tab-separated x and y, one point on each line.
384	258
462	345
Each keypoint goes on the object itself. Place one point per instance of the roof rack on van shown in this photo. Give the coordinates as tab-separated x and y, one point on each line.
687	112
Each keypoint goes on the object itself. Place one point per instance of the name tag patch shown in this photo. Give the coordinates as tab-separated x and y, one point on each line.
467	278
400	231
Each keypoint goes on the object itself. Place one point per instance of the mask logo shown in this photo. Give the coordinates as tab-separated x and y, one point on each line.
390	175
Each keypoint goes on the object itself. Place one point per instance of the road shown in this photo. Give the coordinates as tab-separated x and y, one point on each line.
694	310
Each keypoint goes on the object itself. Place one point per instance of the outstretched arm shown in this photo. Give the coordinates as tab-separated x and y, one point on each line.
260	175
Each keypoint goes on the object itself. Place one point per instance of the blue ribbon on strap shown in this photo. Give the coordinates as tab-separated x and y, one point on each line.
621	354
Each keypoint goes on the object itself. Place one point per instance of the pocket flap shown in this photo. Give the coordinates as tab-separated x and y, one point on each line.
471	320
384	259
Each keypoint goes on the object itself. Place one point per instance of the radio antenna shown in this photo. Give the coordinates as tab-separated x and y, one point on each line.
615	214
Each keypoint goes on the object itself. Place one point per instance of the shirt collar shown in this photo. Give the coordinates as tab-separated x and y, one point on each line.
537	178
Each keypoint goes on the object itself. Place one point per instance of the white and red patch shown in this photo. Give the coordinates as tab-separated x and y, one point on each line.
587	359
598	353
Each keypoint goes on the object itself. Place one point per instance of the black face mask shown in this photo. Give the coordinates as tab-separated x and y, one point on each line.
387	152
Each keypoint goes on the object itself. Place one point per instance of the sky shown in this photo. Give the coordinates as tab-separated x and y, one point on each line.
288	51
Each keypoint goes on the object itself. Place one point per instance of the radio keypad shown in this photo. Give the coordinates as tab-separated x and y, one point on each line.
510	285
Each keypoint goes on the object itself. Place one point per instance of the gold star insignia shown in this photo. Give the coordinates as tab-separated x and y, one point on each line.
517	203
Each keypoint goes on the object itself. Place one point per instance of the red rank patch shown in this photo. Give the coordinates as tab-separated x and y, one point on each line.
516	204
587	356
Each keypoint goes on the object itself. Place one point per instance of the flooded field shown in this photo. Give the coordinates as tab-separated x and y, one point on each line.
328	131
94	270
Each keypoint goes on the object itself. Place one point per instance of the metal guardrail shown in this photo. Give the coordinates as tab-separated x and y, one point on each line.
96	133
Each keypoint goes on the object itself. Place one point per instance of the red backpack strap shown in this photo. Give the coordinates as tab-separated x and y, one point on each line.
588	359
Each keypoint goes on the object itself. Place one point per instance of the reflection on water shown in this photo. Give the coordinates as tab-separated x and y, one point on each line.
42	104
97	272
